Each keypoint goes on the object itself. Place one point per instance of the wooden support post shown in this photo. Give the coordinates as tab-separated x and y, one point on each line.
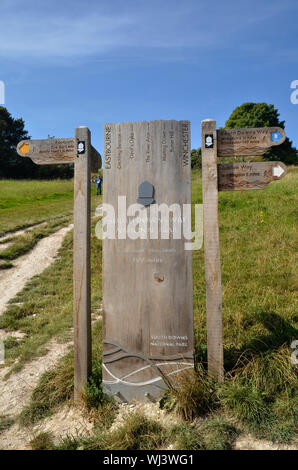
81	262
211	249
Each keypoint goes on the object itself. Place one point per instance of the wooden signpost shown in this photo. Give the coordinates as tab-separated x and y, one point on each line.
147	283
227	177
79	151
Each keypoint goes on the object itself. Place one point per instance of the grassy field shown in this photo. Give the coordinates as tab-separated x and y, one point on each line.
45	206
24	203
54	306
258	237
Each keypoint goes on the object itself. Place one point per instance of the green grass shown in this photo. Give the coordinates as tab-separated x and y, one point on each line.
25	203
214	433
21	244
5	264
258	262
56	387
42	441
258	239
45	311
193	395
138	432
5	423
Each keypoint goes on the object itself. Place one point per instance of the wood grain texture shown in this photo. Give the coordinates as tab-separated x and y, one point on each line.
212	252
81	265
50	151
255	141
250	175
96	162
56	151
147	284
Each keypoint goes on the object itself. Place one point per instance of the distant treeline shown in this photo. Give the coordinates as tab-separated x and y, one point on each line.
12	131
12	166
25	169
256	115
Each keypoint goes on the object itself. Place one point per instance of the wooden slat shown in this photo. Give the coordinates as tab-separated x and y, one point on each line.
211	250
81	265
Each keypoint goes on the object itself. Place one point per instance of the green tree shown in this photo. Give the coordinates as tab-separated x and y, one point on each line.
11	132
196	158
263	115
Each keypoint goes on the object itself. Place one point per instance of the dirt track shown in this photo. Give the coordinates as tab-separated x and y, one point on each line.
13	280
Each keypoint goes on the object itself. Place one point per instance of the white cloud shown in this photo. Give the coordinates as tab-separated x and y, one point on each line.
59	31
40	36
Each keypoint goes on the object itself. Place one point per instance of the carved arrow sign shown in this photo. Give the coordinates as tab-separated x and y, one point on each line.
232	142
48	151
56	151
253	175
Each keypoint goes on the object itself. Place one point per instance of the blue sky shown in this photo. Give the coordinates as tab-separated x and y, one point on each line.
78	62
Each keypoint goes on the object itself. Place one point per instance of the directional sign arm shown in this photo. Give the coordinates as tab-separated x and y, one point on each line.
248	141
55	151
251	175
49	151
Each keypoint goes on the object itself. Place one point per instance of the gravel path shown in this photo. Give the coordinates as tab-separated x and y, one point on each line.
13	280
16	391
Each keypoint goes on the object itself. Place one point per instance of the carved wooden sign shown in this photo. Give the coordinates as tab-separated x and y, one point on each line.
56	151
250	175
233	142
48	151
147	283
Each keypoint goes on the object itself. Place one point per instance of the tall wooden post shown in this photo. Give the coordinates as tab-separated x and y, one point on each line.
81	262
211	249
